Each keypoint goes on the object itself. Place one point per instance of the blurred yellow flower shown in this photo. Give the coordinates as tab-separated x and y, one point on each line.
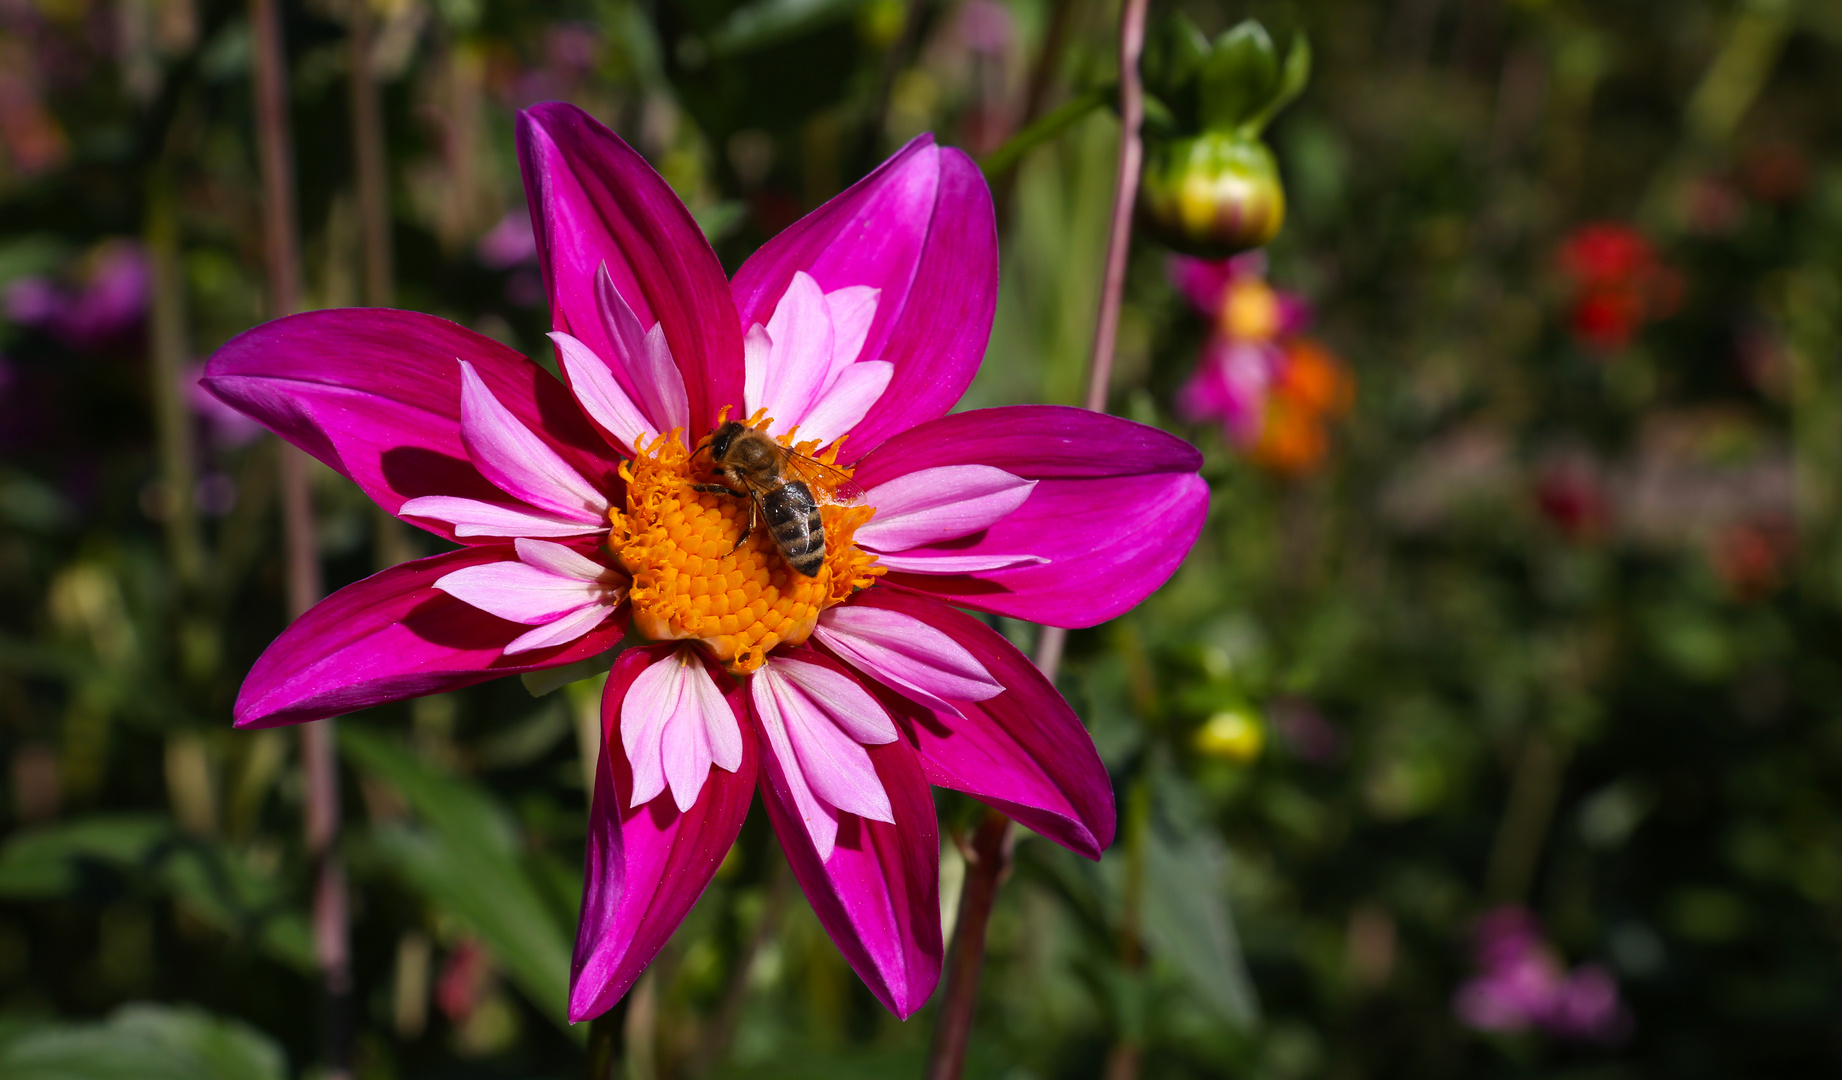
1232	735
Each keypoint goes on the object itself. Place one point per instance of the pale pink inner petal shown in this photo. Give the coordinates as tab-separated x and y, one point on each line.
517	461
928	506
824	720
600	392
721	731
685	748
674	724
799	363
644	357
561	591
811	714
561	632
471	517
562	561
650	703
853	309
520	592
802	366
840	698
908	655
846	401
819	818
757	354
921	563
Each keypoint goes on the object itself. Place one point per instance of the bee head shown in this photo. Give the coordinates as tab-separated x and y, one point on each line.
720	442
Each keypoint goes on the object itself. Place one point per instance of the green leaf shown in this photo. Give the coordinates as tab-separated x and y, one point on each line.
1186	919
1239	77
464	858
145	1042
48	862
720	219
218	885
1174	56
769	22
1291	84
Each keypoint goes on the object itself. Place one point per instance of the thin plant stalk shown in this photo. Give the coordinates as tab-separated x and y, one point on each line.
331	934
167	351
989	858
371	162
369	156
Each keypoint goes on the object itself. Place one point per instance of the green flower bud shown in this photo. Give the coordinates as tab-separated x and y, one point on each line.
1212	195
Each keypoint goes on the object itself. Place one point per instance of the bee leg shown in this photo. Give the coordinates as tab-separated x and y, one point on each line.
715	489
746	529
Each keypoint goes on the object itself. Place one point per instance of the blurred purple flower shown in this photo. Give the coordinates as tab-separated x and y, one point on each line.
573	46
987	26
1522	985
104	303
509	243
226	426
1304	730
571	51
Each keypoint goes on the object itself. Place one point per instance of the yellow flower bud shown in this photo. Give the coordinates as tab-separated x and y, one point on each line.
1232	735
1212	195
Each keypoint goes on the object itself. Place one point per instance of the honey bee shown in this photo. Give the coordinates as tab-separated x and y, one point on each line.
784	487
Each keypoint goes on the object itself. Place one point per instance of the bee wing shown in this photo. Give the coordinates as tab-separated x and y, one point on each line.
829	485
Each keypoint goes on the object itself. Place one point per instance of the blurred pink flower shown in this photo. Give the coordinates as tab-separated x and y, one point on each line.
1522	985
105	302
509	243
1268	385
986	26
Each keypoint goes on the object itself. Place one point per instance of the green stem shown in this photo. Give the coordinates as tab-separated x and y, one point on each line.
1005	158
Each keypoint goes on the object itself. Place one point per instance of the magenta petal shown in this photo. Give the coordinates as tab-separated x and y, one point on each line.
920	229
879	893
1116	510
647	864
376	394
394	636
1023	751
594	200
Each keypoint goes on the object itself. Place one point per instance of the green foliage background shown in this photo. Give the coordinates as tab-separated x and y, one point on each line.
1467	701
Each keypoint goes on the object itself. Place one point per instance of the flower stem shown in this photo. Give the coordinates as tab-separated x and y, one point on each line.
368	154
997	164
991	844
332	946
1125	194
985	869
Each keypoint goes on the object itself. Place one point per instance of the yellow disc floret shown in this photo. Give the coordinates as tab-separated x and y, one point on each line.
690	579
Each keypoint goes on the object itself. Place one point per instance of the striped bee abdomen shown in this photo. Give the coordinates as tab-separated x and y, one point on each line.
793	520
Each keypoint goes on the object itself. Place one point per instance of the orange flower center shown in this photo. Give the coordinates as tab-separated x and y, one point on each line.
692	581
1250	310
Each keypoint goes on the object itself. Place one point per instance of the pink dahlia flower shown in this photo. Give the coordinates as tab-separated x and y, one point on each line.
1244	355
840	696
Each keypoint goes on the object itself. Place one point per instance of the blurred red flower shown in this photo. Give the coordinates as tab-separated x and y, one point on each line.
1618	284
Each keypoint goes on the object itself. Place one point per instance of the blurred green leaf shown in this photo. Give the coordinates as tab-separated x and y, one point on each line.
1187	921
1239	77
45	863
38	253
464	858
720	219
1174	56
769	22
1292	80
145	1042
